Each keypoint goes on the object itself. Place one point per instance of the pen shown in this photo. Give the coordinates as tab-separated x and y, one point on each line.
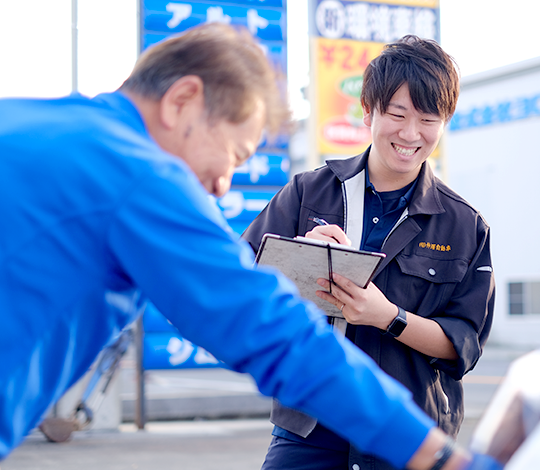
319	221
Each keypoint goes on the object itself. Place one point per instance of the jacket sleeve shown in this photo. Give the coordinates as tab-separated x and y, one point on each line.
469	314
174	244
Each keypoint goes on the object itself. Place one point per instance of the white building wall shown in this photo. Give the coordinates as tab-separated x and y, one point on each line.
496	166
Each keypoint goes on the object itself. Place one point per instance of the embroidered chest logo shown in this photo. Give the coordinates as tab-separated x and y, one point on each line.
434	246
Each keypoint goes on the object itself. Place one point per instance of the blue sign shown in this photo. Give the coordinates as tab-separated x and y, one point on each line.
172	17
262	3
263	169
275	51
254	183
497	113
171	351
149	39
164	348
279	142
244	205
374	22
155	322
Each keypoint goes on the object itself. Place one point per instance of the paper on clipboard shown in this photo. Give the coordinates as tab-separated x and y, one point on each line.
304	260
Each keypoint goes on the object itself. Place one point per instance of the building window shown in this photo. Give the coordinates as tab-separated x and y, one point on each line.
524	298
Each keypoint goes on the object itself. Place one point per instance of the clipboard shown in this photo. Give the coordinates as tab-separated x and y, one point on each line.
304	260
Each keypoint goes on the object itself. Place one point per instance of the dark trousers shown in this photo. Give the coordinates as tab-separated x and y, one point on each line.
285	454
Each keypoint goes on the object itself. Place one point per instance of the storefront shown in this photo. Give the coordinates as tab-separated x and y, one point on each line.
493	160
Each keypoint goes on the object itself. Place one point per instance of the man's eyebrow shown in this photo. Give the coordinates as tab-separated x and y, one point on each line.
399	106
404	108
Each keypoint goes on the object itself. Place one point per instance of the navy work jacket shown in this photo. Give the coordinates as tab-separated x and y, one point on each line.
437	265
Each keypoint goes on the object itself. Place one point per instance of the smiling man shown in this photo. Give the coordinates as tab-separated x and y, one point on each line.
427	314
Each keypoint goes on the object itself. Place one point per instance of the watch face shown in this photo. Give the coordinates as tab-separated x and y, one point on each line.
397	326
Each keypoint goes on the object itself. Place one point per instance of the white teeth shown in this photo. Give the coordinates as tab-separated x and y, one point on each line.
404	151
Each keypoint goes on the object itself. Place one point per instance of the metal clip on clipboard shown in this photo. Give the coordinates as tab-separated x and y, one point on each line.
330	274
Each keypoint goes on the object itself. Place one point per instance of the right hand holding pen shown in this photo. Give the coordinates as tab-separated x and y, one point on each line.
329	233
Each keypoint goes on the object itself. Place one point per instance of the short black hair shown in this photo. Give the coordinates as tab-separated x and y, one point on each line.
430	73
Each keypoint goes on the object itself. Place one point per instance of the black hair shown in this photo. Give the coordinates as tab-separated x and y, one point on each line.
430	73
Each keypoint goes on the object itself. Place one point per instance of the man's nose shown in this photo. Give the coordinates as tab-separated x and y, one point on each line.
222	186
410	131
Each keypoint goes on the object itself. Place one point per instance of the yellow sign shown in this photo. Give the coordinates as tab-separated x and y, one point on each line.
340	67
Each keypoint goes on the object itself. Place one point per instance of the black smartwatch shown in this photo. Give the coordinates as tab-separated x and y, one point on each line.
398	324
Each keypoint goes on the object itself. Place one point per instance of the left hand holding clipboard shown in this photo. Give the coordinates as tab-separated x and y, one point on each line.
367	306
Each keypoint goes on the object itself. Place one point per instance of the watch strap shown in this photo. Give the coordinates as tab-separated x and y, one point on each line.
442	456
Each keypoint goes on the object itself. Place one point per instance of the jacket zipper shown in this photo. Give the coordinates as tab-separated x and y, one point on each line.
344	196
404	216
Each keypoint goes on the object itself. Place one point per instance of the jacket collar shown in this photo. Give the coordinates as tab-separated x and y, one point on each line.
349	167
425	199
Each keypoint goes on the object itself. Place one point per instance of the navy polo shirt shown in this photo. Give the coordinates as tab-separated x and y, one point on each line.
382	210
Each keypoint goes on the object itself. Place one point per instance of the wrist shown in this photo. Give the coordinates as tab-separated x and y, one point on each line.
397	324
429	454
450	457
443	454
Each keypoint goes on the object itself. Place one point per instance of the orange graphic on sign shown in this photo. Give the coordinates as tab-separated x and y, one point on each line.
340	68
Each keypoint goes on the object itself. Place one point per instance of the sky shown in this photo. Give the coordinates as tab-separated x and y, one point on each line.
35	43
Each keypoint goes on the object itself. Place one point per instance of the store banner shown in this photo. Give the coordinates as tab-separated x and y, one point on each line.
377	21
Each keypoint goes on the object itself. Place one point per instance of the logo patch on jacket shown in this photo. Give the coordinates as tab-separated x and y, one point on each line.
434	246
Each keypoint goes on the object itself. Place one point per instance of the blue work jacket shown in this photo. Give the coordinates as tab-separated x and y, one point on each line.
96	218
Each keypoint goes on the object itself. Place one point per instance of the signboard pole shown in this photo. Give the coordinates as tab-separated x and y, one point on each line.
74	47
313	157
140	415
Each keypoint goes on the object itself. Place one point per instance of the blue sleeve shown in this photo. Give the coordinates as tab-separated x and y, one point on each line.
173	243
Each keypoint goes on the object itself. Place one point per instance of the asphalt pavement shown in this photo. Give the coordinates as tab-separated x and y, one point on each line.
206	419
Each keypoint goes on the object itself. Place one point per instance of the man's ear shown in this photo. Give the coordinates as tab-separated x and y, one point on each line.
367	115
176	101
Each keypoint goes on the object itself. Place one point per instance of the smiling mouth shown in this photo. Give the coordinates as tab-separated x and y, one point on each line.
407	152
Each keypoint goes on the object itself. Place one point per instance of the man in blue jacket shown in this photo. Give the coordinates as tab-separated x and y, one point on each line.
99	213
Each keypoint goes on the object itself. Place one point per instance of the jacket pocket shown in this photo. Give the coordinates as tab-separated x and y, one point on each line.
436	270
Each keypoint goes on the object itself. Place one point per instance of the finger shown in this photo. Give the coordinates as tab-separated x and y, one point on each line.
329	233
327	296
344	283
330	298
338	293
